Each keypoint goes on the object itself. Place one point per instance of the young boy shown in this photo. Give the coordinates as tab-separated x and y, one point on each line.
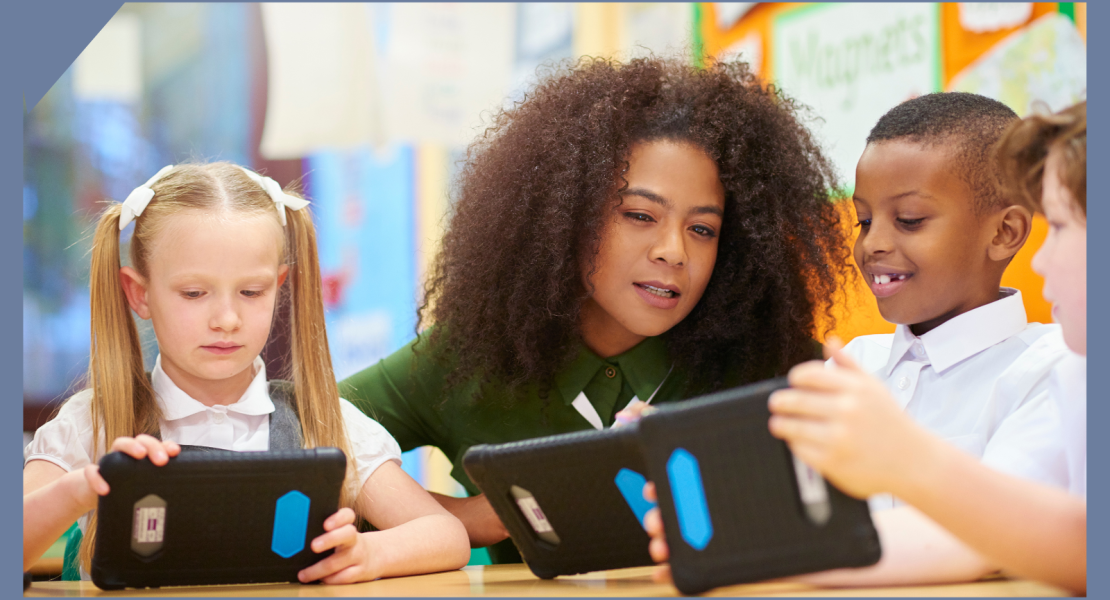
845	423
936	235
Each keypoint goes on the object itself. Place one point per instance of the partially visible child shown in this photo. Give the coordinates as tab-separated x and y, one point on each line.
211	249
847	425
936	234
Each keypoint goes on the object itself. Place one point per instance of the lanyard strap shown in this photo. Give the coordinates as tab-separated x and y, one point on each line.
588	412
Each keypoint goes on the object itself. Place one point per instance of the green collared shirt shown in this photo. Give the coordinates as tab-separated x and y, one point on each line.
405	393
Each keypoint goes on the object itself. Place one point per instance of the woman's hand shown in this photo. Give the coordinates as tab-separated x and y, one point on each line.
844	423
632	413
351	562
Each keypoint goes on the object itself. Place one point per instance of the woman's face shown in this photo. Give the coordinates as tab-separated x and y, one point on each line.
657	249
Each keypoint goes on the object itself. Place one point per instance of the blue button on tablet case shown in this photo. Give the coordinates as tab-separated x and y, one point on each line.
290	524
631	484
689	499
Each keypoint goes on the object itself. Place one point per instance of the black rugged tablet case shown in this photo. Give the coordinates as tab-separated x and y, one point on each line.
754	525
576	480
217	517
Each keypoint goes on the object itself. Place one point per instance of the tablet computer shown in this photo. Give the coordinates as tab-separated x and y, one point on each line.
736	505
214	517
573	503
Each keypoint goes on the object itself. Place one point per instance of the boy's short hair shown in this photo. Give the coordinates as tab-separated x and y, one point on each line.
973	124
1025	146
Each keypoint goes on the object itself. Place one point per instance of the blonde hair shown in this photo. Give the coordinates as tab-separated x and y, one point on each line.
122	397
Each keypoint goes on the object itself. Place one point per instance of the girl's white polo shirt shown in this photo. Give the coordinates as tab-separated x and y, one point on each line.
244	425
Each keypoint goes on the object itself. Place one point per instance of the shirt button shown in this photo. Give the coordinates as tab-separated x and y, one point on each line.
903	383
218	417
610	372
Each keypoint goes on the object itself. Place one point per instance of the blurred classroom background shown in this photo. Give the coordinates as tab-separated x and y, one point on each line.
371	106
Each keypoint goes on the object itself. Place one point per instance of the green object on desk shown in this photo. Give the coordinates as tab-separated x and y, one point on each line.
71	571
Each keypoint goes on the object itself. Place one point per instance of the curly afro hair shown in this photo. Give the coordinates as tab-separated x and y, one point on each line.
531	202
971	124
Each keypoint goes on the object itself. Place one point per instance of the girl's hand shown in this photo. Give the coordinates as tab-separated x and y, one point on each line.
844	423
351	561
86	485
143	445
658	549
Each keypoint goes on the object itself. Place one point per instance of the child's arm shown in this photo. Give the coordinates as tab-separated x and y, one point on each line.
483	526
844	423
417	534
916	551
53	499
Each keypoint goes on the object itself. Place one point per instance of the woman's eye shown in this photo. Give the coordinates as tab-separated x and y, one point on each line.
703	231
192	294
639	217
911	222
864	223
251	293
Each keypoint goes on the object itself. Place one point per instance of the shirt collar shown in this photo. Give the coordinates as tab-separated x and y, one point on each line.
643	366
964	335
176	404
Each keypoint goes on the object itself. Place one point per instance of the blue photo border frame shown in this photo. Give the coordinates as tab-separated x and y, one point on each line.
41	38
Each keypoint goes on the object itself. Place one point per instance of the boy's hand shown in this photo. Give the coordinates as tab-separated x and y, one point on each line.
844	423
350	563
658	549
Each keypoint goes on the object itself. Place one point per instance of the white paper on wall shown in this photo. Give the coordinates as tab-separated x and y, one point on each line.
321	61
982	17
728	13
109	68
1045	62
853	62
445	64
659	28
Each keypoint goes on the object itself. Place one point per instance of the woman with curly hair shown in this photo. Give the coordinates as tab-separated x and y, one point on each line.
632	230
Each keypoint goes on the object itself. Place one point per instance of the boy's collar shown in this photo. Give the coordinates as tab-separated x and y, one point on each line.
176	404
964	335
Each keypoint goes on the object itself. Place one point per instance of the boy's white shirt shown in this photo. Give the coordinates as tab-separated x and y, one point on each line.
1068	387
979	381
245	425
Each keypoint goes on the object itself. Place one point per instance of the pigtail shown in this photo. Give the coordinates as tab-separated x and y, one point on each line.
313	380
123	400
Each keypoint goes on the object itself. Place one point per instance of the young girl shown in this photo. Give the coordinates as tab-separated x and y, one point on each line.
630	231
211	249
844	422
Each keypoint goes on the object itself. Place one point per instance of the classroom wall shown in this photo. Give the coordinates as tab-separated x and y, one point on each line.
405	86
1017	53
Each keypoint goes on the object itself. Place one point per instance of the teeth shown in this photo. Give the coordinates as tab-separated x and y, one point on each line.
658	291
883	279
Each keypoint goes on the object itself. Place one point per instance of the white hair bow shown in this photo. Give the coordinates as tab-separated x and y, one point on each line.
139	197
280	198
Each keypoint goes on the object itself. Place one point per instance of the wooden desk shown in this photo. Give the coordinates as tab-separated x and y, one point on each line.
517	580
